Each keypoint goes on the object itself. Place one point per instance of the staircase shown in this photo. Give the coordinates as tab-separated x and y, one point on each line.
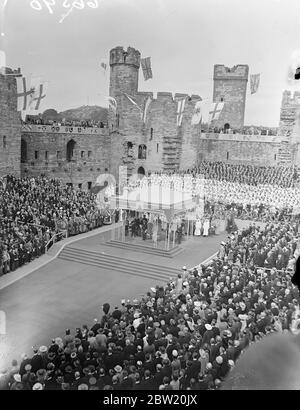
172	147
284	157
133	247
111	262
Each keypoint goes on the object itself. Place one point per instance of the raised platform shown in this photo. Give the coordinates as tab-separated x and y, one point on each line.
140	246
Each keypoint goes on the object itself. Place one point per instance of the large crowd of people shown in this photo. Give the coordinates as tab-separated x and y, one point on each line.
184	336
67	123
188	334
33	210
272	187
246	130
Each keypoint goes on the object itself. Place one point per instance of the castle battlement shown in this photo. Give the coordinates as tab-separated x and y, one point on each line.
239	71
119	55
168	96
9	71
145	94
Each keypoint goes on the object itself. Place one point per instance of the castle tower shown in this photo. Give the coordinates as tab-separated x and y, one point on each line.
10	124
289	112
124	71
230	85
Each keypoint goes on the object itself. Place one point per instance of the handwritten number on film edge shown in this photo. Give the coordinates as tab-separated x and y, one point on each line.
78	4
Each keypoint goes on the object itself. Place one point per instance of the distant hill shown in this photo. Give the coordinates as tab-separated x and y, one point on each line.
84	113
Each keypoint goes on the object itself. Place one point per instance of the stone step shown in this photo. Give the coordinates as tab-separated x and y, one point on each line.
112	262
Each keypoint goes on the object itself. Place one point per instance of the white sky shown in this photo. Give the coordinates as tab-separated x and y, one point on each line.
184	38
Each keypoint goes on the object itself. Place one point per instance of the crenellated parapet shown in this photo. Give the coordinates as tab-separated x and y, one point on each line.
239	71
119	55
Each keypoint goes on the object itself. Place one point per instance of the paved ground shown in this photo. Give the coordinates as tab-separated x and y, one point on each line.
64	294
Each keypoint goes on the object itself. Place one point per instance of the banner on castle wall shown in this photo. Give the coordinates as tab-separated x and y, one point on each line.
180	110
39	93
197	113
112	103
24	92
254	82
30	95
134	103
146	67
146	108
211	111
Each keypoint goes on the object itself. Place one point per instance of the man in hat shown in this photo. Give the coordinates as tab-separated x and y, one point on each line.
25	361
208	334
17	382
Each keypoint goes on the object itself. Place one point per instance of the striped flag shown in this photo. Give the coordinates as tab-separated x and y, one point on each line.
197	114
254	82
133	102
180	110
146	67
147	105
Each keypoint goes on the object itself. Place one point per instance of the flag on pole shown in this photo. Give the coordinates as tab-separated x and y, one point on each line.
39	93
254	82
133	102
112	103
104	65
180	110
24	92
147	105
146	67
197	113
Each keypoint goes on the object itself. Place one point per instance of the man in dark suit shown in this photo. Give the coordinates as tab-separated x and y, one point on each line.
127	382
37	361
147	383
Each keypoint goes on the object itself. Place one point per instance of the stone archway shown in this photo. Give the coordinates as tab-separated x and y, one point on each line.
70	150
141	171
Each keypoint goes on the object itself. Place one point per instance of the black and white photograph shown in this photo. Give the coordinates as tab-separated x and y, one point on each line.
149	198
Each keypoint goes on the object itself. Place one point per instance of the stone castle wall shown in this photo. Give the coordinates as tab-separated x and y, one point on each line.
47	153
168	147
244	149
289	112
10	124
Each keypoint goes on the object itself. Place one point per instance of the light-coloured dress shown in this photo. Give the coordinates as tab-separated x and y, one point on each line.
198	228
205	227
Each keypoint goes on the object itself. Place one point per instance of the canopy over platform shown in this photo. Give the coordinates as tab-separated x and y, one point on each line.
155	199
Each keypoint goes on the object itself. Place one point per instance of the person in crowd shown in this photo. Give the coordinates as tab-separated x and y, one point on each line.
187	335
33	210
